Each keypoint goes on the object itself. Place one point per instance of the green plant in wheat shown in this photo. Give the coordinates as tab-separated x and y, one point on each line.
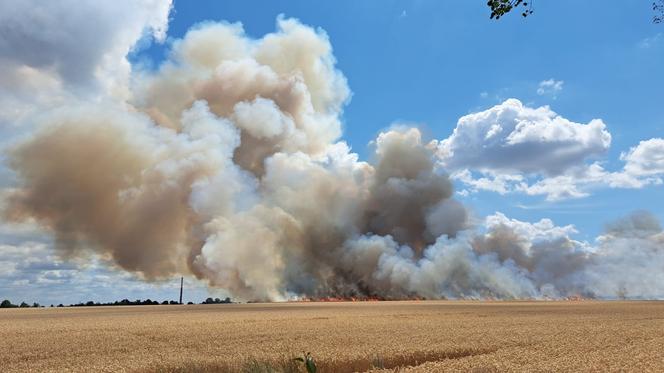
308	362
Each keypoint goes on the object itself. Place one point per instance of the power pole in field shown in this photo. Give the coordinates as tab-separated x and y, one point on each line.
181	285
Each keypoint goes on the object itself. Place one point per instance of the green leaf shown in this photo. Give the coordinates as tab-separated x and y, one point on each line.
311	366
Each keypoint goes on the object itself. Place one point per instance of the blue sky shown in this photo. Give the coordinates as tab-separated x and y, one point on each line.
431	62
422	63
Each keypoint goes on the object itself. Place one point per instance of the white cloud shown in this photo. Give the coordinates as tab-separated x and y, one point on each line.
513	138
645	159
513	148
79	41
53	50
501	184
573	184
543	230
650	42
33	272
550	87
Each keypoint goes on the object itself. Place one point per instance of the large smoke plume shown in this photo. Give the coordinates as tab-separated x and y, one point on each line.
226	163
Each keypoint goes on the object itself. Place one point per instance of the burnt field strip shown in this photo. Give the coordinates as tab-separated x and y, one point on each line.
342	337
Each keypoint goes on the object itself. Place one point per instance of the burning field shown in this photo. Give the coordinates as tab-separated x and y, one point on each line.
424	336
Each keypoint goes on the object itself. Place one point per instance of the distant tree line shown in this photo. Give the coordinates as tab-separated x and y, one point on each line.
7	304
125	302
217	301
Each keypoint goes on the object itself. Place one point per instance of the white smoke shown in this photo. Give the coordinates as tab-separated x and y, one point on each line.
629	259
226	163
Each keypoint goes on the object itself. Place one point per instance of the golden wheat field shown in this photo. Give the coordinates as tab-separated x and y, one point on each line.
421	336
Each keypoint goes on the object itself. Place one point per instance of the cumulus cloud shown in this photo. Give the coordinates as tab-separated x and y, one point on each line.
80	42
550	87
513	148
511	137
52	51
645	159
32	272
503	148
643	167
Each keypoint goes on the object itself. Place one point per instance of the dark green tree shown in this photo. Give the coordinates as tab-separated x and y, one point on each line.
658	7
501	7
7	304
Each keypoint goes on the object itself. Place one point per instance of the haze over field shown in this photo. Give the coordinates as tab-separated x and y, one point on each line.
227	162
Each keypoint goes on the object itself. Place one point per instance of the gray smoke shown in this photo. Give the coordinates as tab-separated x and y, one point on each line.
629	259
226	163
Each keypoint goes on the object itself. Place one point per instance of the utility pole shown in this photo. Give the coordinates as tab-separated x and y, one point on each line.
181	285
